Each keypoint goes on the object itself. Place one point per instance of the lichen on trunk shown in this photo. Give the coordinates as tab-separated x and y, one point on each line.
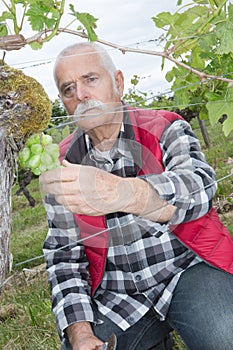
25	109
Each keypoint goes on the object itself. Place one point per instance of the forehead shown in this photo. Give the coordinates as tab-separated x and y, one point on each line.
77	64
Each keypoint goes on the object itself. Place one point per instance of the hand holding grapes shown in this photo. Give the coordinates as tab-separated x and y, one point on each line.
86	190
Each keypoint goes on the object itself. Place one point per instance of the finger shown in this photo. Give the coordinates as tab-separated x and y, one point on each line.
62	174
65	163
47	176
61	188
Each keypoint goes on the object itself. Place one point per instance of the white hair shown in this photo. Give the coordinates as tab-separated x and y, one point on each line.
104	58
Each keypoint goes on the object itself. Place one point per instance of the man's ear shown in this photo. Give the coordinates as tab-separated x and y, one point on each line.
119	78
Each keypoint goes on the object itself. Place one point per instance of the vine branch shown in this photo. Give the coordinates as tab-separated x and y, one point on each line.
203	76
16	42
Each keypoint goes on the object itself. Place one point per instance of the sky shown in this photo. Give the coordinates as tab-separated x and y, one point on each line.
123	22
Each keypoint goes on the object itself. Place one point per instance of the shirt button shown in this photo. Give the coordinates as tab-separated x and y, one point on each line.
130	320
138	278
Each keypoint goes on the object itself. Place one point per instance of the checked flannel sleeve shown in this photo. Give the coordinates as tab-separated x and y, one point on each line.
67	268
188	181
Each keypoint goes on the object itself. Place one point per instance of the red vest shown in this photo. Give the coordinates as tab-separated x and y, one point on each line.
206	236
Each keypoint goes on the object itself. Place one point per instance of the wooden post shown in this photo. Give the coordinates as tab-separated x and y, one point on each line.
5	207
204	131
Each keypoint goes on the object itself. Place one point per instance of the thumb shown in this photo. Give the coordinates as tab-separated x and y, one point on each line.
67	164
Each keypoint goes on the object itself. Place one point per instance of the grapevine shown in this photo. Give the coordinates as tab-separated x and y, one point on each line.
39	154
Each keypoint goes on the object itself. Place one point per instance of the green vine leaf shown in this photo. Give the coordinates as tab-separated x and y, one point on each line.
195	58
203	113
224	32
170	75
42	15
227	126
3	29
163	18
88	21
6	15
217	108
199	36
35	45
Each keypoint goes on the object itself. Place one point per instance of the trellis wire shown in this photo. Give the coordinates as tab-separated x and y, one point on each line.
156	96
112	228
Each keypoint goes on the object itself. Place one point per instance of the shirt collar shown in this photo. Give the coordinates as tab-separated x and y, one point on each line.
119	148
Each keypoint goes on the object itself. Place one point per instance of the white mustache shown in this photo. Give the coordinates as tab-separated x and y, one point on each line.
83	107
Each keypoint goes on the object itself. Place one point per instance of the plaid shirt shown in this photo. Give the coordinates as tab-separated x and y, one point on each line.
144	259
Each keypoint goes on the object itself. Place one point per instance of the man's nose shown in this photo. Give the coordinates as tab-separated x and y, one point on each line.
82	92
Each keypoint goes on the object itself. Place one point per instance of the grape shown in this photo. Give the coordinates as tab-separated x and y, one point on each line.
34	161
36	171
53	150
46	139
36	148
34	139
40	154
24	155
54	165
42	168
46	159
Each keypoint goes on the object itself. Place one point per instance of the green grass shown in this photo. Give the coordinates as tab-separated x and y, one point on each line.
220	151
29	227
26	321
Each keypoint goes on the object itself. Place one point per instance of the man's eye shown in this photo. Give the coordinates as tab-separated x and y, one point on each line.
69	90
91	80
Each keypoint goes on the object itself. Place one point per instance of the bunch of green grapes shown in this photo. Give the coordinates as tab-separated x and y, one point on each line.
40	154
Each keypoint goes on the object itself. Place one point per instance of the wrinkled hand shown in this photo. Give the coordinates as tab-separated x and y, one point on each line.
87	190
81	336
87	342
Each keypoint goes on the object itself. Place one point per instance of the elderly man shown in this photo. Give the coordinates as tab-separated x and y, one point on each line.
134	246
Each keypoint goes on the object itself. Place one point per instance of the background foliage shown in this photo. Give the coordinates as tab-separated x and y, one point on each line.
44	18
198	40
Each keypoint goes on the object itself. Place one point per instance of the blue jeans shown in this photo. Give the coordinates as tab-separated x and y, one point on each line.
201	312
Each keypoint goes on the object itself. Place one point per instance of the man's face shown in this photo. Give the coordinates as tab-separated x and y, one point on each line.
86	88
